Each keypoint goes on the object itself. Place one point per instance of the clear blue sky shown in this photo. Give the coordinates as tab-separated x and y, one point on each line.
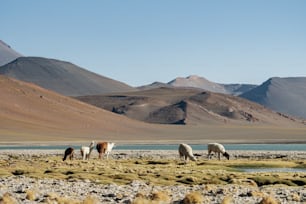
139	42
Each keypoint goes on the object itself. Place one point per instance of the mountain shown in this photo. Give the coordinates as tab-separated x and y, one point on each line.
31	115
284	95
29	112
62	77
187	106
7	54
195	81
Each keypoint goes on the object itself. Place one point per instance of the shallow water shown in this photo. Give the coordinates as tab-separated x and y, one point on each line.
273	170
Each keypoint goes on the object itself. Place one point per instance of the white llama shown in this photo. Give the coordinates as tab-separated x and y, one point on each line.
218	148
86	151
185	151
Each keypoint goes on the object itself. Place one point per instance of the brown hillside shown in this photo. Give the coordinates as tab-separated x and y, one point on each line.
28	110
29	113
188	106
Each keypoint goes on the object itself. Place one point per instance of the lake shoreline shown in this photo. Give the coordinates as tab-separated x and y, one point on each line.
151	142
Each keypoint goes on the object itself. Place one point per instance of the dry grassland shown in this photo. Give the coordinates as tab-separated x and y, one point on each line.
153	171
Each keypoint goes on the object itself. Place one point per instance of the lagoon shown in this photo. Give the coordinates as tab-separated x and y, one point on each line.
248	147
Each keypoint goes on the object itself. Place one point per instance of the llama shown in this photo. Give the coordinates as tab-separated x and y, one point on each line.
69	152
185	151
86	151
218	148
104	148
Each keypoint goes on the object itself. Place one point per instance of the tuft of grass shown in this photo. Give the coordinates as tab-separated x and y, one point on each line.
30	195
268	200
90	200
193	198
160	197
139	200
7	199
227	200
295	197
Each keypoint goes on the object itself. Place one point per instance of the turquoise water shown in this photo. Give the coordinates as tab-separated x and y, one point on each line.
252	147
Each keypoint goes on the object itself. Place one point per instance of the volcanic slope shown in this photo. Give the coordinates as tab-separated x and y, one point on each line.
285	95
187	106
62	77
29	112
7	54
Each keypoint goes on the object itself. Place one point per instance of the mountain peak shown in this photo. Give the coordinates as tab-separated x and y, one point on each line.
7	54
197	82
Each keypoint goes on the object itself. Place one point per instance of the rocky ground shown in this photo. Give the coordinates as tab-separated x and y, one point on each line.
22	189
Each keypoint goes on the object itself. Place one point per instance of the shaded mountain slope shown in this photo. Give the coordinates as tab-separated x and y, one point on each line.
187	106
285	95
31	112
62	77
7	54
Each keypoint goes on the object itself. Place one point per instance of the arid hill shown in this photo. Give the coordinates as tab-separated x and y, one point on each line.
62	77
187	106
31	114
285	95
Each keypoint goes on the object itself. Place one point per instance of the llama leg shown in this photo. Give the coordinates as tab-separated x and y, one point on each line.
219	157
209	156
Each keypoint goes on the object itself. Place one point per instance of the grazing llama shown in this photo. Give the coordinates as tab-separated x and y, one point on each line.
86	151
218	148
69	152
185	151
104	148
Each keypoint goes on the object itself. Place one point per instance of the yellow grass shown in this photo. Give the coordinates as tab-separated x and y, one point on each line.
157	171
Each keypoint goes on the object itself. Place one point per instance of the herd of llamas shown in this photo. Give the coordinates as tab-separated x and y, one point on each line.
104	148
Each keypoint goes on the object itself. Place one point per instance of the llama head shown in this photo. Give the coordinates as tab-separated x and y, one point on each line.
226	155
92	144
193	158
111	145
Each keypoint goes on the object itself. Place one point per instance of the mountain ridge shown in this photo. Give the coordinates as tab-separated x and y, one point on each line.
183	106
62	77
195	81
